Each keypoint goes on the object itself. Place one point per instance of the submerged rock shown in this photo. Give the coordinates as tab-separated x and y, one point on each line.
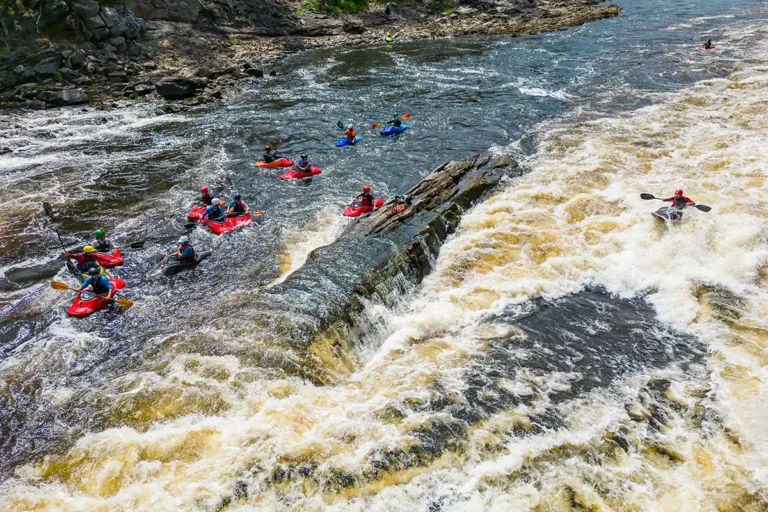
65	97
177	88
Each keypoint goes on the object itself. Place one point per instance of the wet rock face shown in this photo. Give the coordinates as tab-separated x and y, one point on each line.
374	258
177	88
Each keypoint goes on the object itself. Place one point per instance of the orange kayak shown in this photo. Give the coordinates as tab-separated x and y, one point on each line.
283	162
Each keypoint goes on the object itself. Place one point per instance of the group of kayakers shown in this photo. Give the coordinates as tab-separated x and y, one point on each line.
87	264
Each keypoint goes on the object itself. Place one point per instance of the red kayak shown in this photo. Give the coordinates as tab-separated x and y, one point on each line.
109	260
356	209
81	308
298	175
702	47
228	225
196	212
283	162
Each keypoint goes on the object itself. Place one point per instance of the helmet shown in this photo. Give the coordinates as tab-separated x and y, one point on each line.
100	233
366	188
236	196
395	115
216	201
267	148
184	240
679	192
349	127
94	271
204	189
88	249
304	157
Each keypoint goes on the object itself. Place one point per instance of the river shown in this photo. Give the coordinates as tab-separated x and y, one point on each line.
567	352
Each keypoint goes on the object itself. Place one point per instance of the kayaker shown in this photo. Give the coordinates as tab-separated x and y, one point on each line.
366	198
708	44
388	37
213	212
102	243
237	207
302	165
679	201
185	253
205	197
271	154
351	134
86	260
395	121
98	283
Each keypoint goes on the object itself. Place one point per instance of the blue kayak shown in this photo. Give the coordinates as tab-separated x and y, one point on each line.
394	130
343	141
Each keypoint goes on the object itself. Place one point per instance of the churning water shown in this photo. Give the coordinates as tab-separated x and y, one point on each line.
568	351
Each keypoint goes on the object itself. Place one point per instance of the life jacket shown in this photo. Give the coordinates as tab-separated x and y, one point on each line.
188	259
214	213
351	134
680	202
238	208
100	285
366	199
303	167
396	121
206	199
270	156
104	245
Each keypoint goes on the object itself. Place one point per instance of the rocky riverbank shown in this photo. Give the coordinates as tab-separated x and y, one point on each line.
83	51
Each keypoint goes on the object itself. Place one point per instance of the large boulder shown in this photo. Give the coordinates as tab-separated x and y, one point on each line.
85	8
178	88
52	12
47	68
64	97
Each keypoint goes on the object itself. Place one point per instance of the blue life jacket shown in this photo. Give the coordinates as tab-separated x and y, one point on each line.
100	285
213	213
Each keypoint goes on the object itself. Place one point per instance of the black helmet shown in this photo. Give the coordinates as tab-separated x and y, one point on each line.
94	271
304	157
235	196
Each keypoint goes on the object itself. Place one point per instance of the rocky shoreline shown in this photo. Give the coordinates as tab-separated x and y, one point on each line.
190	53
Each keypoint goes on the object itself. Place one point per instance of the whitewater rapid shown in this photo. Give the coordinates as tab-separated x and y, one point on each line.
568	351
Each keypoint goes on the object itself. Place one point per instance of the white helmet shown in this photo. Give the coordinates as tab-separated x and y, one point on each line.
184	240
349	127
216	201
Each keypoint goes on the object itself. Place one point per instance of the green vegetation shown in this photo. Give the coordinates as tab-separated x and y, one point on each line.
337	6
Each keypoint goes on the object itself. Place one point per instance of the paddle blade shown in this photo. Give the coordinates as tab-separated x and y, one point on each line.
338	123
138	245
58	285
375	125
406	116
703	207
48	209
124	302
257	213
647	196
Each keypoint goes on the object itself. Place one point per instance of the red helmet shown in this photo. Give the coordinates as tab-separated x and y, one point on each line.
204	189
679	192
366	188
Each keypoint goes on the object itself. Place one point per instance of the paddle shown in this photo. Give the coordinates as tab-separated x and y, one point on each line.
48	209
338	123
702	207
58	285
404	117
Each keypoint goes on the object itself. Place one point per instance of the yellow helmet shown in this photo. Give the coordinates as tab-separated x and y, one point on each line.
88	249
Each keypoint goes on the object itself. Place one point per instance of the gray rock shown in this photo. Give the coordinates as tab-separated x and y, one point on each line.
119	29
36	104
94	22
253	69
19	69
100	34
27	76
353	27
177	88
68	74
46	69
108	48
65	54
85	8
65	97
76	60
52	12
135	50
110	16
119	43
118	77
